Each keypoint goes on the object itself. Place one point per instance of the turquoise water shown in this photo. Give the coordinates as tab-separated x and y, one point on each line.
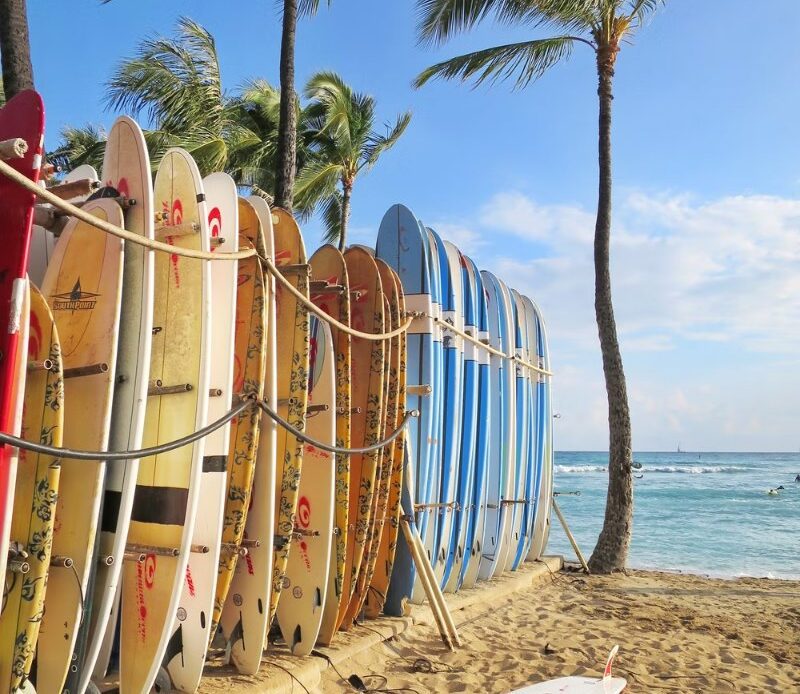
698	512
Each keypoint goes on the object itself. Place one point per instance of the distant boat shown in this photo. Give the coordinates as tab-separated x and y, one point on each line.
679	449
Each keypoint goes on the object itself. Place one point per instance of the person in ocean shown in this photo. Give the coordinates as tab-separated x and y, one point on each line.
797	479
773	492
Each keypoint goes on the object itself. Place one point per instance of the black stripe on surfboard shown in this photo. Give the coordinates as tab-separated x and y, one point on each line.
160	505
215	463
110	516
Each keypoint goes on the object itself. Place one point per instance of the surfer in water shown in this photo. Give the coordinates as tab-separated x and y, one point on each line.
797	478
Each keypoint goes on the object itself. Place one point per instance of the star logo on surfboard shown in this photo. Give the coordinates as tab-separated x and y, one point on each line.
74	300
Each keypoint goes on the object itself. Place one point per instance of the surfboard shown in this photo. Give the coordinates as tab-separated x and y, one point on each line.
330	291
464	474
245	614
43	241
541	523
484	441
453	359
126	168
502	429
383	476
403	244
23	117
526	456
292	365
186	650
301	607
607	684
83	286
366	315
35	497
394	454
165	501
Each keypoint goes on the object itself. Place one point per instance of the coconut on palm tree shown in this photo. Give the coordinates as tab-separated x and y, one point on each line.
345	144
600	25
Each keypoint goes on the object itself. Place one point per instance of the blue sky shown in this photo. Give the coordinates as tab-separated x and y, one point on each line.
707	172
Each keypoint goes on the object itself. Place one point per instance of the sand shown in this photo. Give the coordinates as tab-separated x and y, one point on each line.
676	633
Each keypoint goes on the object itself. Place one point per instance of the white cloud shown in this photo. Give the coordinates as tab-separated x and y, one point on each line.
710	289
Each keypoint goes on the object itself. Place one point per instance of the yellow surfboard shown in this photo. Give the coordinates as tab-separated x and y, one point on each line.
83	285
330	291
167	486
35	497
249	373
292	364
366	315
382	570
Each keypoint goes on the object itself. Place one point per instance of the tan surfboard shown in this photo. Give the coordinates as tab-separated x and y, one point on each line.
83	285
35	497
376	595
165	503
292	364
381	495
244	620
249	361
366	315
330	291
300	609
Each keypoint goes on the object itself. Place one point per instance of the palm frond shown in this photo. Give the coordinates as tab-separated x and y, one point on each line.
377	144
528	60
641	10
439	20
331	212
79	145
308	8
315	182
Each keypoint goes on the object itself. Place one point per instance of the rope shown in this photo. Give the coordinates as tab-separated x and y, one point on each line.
112	229
303	299
475	341
335	449
72	454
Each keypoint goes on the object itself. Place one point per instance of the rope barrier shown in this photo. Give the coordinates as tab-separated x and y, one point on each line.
112	229
73	454
335	449
488	348
275	271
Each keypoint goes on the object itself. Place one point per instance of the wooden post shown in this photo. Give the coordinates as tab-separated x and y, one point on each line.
426	584
569	535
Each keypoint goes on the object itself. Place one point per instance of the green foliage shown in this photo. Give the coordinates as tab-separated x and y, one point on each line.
82	145
599	24
340	125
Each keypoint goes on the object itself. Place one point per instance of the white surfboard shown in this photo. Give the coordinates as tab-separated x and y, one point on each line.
186	653
580	685
300	610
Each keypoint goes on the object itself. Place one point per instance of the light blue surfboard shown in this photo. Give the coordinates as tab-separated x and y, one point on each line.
477	511
501	452
402	245
451	408
465	320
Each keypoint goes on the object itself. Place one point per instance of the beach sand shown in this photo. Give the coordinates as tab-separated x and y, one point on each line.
676	632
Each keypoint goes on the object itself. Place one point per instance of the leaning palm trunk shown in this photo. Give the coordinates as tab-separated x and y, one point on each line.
15	47
287	125
612	545
347	193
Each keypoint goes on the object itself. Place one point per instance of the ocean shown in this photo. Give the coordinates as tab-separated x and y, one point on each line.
706	513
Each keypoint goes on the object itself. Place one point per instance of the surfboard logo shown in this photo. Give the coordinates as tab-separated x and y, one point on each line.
74	300
214	224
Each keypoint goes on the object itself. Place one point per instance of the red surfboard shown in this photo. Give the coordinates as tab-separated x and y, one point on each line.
23	117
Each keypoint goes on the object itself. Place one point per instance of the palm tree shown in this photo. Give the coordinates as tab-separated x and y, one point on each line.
346	143
286	161
601	25
79	145
15	47
177	84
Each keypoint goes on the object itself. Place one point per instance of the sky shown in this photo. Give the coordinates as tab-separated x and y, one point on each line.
706	230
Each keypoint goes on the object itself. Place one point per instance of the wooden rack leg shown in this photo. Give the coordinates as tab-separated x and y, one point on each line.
571	538
438	595
426	584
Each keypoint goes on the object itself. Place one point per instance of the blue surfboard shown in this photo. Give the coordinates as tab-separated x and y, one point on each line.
477	517
464	320
403	246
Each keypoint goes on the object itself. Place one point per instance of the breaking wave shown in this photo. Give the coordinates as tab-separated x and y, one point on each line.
665	469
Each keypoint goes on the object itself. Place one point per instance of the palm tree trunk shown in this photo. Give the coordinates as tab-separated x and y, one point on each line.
15	47
347	193
287	123
611	551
